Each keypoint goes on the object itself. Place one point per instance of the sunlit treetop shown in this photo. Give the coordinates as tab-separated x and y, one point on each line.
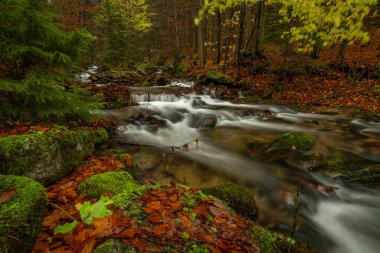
312	21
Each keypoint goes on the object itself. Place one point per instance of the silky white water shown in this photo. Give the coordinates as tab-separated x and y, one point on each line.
341	222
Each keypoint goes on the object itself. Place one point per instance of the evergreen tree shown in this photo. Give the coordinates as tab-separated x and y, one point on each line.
34	56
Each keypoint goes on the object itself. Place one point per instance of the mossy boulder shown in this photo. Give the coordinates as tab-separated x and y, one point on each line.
114	246
290	142
48	157
271	242
109	182
239	198
21	218
216	77
352	169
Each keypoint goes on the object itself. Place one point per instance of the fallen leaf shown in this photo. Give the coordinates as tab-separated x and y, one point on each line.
7	195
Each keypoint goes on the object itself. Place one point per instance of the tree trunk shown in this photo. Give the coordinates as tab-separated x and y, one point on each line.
316	50
228	39
201	39
219	36
176	55
259	29
342	50
240	35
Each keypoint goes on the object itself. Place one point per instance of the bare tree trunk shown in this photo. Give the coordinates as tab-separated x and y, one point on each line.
240	34
228	39
259	29
201	39
240	39
342	49
176	55
219	36
316	50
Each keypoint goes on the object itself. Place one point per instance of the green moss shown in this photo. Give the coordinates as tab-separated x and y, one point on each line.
271	242
217	77
49	156
109	182
21	218
239	198
100	135
114	246
290	141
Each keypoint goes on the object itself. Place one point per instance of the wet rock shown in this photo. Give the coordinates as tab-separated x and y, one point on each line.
215	77
147	161
267	94
108	182
50	156
22	216
203	121
160	80
114	246
272	242
288	143
198	102
352	169
239	198
304	162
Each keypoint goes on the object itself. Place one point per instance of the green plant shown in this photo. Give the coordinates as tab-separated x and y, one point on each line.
185	235
87	213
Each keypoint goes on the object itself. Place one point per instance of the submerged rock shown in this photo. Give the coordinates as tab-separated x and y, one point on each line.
21	217
108	182
351	168
48	157
290	142
114	246
239	198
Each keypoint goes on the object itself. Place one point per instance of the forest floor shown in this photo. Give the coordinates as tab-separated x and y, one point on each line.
326	84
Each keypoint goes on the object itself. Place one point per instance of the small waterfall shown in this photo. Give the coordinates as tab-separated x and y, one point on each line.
153	97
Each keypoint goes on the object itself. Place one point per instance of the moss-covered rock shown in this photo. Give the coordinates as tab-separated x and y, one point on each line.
47	157
217	78
289	142
352	169
21	218
271	242
114	246
108	182
239	198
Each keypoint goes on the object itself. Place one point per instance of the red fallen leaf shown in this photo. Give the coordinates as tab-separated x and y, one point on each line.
52	195
219	204
154	218
217	211
213	249
148	210
89	246
186	221
70	193
161	229
7	195
155	205
129	233
62	200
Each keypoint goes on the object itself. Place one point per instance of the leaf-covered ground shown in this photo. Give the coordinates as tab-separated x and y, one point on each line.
171	217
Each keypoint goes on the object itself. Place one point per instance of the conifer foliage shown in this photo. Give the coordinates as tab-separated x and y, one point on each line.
34	58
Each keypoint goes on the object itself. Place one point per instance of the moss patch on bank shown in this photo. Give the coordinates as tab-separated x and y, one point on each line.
21	218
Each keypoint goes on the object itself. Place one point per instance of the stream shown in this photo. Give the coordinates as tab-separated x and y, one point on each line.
342	221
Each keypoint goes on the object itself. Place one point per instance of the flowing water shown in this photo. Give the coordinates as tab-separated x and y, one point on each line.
343	221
